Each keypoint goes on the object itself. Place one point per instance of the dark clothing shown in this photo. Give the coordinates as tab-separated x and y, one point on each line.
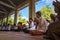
25	30
54	31
19	29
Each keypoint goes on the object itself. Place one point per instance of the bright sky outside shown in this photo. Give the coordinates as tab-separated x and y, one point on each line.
41	3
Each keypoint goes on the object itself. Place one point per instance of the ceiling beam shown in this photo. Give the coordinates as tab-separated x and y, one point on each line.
1	7
7	5
23	5
12	3
2	12
4	9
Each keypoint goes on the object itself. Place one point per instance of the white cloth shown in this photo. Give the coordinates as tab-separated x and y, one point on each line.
15	27
3	28
9	27
27	25
32	26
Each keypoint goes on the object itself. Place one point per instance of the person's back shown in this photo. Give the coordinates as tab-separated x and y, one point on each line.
54	28
54	31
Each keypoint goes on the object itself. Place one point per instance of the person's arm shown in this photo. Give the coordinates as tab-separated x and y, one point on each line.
42	26
41	22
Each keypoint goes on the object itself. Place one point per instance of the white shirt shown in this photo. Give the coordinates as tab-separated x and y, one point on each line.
32	26
15	27
27	25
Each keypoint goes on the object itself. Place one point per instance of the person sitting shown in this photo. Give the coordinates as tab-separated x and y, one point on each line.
25	29
9	27
30	26
41	27
53	18
15	27
54	28
34	27
20	26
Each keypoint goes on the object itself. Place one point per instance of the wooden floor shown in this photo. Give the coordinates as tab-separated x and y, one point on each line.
18	36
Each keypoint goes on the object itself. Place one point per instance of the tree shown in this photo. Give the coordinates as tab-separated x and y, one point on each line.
4	21
11	20
20	19
46	11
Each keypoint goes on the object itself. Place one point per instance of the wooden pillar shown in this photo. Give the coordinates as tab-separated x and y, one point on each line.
32	9
15	16
7	19
2	21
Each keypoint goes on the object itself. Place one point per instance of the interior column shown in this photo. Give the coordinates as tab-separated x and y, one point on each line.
16	16
32	9
8	16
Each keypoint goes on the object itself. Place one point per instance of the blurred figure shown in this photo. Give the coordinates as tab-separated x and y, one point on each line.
9	27
53	18
0	27
20	26
34	27
42	22
54	28
15	27
3	27
31	24
41	25
25	29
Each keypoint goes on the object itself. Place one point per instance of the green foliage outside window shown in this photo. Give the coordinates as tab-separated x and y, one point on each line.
46	11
